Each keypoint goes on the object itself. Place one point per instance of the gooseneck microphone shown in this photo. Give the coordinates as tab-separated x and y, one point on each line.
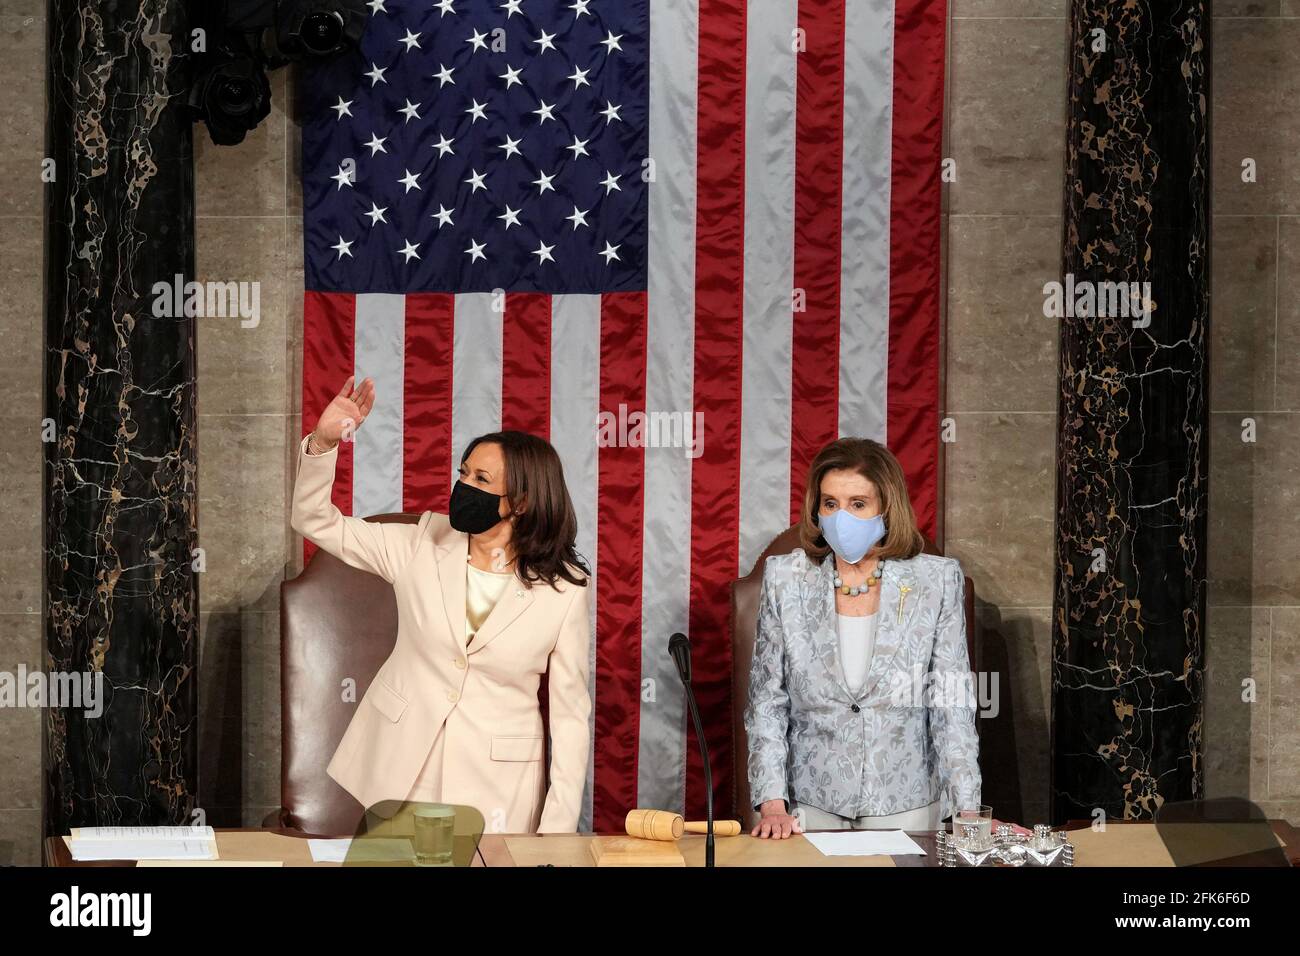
679	646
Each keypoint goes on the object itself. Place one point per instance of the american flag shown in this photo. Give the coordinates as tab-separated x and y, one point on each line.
553	215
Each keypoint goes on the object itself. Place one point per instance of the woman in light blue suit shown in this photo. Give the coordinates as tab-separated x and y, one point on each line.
861	710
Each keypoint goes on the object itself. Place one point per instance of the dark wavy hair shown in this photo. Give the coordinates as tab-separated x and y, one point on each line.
545	535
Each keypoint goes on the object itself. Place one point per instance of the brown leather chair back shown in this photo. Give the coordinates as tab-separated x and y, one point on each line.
336	622
744	627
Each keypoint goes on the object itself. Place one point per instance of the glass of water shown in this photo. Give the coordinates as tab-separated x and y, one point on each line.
435	825
972	826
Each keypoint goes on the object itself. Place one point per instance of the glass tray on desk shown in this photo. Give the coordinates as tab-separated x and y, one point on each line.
1045	847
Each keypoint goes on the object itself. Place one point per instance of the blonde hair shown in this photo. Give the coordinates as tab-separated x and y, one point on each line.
876	463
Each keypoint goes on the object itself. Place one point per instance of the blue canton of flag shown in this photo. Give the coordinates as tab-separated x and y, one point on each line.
476	145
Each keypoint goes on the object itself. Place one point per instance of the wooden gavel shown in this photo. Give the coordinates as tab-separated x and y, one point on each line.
663	825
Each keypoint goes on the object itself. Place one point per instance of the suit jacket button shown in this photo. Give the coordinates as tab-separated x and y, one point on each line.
453	696
460	663
856	708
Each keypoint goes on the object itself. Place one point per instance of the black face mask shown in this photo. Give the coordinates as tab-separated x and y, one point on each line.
473	510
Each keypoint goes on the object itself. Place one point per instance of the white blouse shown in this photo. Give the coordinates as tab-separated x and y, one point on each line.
857	640
482	591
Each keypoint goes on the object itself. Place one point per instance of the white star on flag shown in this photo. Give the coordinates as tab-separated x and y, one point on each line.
579	218
511	146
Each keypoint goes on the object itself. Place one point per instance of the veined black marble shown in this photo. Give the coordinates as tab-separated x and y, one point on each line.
1128	650
120	489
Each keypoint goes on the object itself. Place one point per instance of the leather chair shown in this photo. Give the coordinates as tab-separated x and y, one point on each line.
336	622
744	624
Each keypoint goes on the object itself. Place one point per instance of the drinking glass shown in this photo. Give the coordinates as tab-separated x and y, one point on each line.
434	830
972	826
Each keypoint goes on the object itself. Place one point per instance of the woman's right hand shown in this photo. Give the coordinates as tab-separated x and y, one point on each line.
775	822
345	412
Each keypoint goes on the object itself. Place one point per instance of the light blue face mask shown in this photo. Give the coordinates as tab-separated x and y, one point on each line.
848	535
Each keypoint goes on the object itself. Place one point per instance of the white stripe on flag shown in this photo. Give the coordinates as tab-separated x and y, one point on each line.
769	279
575	400
476	371
670	373
864	262
379	353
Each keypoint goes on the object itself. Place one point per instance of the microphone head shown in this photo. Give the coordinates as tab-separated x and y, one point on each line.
679	646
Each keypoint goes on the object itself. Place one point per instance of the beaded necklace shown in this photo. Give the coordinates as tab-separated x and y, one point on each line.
856	589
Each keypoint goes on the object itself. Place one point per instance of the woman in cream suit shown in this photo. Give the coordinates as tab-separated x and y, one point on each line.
861	701
489	596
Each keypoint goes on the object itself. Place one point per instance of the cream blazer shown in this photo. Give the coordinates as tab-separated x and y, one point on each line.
477	703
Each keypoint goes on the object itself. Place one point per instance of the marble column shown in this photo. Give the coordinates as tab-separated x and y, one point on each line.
121	598
1128	650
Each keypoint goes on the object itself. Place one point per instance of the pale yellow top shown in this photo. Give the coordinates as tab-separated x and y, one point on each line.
482	590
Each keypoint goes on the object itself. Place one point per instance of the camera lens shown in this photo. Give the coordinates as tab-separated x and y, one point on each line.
233	95
321	32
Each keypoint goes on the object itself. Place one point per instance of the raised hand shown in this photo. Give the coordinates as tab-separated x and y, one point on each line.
345	412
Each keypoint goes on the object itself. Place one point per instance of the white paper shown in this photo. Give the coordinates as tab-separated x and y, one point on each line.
80	834
329	851
126	849
372	849
864	843
149	863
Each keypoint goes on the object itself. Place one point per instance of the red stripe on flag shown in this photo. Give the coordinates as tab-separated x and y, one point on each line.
818	186
526	390
526	364
912	418
719	306
426	433
328	334
619	533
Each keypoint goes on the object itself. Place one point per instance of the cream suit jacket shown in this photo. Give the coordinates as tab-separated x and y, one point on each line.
477	703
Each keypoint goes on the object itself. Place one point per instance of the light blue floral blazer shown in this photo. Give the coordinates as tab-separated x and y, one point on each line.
907	737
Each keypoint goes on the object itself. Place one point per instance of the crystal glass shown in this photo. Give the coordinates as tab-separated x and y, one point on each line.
972	826
434	829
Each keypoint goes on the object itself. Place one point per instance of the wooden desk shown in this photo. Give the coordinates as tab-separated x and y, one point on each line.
1115	847
501	849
